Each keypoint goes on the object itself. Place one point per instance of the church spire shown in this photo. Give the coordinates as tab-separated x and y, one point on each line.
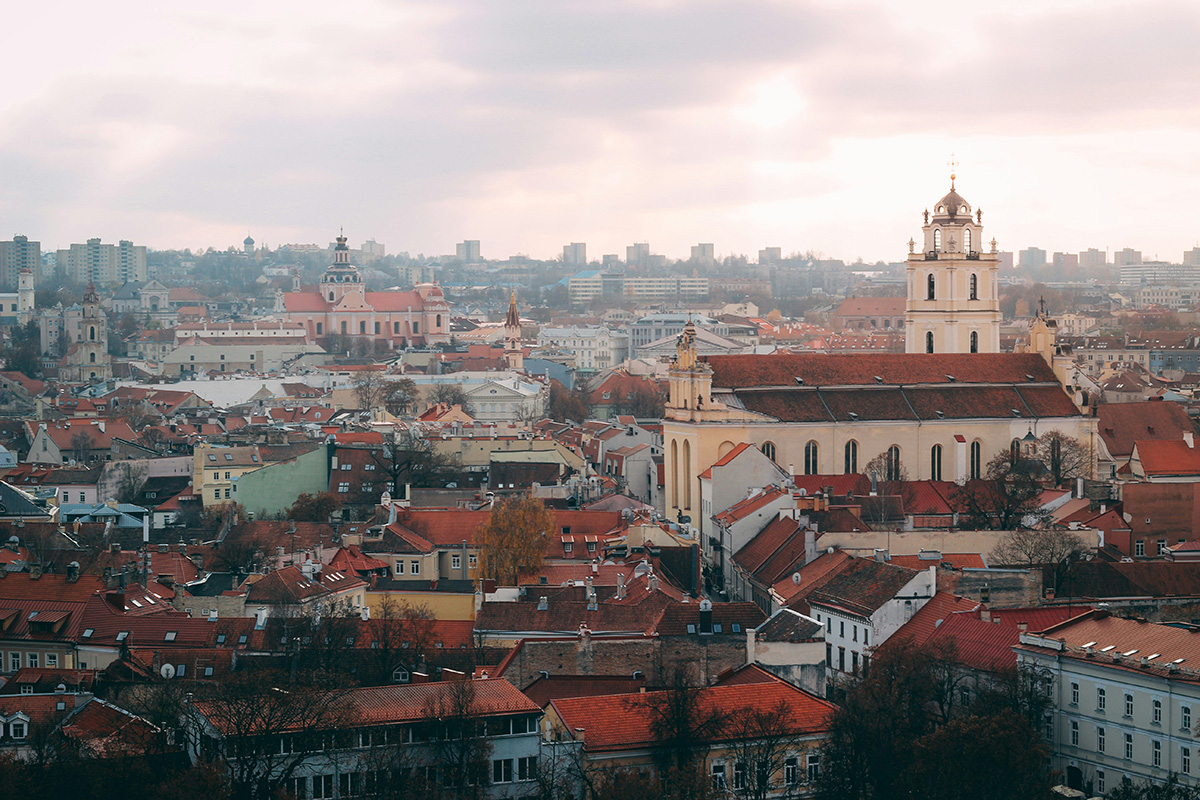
512	335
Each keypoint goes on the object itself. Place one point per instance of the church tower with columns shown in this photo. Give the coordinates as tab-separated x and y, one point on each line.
953	284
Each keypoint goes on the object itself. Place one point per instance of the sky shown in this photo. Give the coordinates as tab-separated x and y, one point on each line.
823	126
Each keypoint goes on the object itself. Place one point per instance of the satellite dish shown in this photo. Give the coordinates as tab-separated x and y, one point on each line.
167	671
796	578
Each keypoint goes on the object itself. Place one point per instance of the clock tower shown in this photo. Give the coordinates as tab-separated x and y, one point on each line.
953	285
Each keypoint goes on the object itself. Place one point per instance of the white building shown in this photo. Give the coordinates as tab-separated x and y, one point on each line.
595	347
1123	695
863	605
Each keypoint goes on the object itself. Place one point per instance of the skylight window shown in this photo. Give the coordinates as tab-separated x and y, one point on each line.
242	639
122	636
229	456
136	602
87	633
170	637
212	457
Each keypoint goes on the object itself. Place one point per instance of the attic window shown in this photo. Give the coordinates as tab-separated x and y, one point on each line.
543	580
229	457
1016	412
122	636
799	381
878	379
87	633
170	637
212	457
254	458
208	671
242	639
853	415
717	628
220	638
180	669
951	378
737	627
1028	376
136	602
940	415
691	628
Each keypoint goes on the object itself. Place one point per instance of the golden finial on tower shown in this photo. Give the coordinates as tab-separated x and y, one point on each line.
953	164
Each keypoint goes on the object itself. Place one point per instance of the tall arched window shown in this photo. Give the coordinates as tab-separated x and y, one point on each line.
1014	450
674	474
976	460
929	342
851	457
930	288
91	358
937	240
768	450
687	474
438	321
974	286
331	297
1056	457
892	464
967	240
92	333
935	463
811	452
974	342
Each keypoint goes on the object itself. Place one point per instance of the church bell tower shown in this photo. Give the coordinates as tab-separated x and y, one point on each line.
953	285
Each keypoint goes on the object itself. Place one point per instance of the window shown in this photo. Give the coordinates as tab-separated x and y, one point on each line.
170	637
854	661
1129	745
322	787
1156	707
1074	733
1155	751
414	567
854	633
568	547
892	464
1160	546
31	660
52	660
791	772
1128	705
1185	717
967	248
929	342
964	695
718	776
866	639
502	770
1185	760
348	784
1100	781
739	775
842	659
343	487
842	629
974	342
527	768
1074	693
208	672
851	460
1100	737
829	624
814	766
976	461
1139	547
456	561
399	567
27	688
768	450
811	452
974	277
1101	698
17	730
935	463
400	675
227	493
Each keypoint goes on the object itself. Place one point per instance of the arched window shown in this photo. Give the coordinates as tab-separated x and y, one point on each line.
1014	450
851	463
974	342
935	463
768	450
91	358
438	321
331	297
967	242
937	240
892	464
687	474
1056	458
974	286
674	474
811	452
92	333
908	609
930	293
929	342
976	460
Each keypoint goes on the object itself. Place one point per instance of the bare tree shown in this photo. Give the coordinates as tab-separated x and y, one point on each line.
402	396
1055	548
1007	498
81	446
1065	456
370	389
133	478
761	740
682	724
452	394
459	748
401	636
404	458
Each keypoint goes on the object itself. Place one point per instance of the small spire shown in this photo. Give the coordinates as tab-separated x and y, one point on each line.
953	164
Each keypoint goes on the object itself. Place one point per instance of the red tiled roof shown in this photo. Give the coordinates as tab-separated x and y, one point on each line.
350	558
871	307
1172	457
895	369
1123	424
746	507
957	560
555	687
565	617
812	576
678	616
841	485
1100	630
623	722
725	459
781	541
863	586
931	616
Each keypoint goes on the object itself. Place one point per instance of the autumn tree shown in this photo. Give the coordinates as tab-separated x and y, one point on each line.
513	539
566	404
370	389
1007	497
1064	456
401	397
994	757
317	507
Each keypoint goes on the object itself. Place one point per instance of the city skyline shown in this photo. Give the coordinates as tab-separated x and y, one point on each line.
529	125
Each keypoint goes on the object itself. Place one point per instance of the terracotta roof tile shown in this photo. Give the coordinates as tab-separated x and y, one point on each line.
895	369
863	586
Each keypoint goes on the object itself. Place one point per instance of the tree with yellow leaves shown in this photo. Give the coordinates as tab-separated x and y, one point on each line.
513	539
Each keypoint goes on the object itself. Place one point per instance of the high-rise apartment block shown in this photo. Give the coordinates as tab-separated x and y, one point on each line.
1032	258
770	255
1191	257
15	256
1127	257
575	254
1093	258
467	250
99	263
1066	261
637	254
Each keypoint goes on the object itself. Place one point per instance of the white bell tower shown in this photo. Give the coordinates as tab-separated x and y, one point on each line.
953	285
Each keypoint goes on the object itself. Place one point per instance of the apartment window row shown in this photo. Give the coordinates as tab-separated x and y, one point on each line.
736	776
1156	707
31	660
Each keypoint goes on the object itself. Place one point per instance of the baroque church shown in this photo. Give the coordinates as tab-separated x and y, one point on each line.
939	411
341	305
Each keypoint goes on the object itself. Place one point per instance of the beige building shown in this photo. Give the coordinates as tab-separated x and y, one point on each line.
953	287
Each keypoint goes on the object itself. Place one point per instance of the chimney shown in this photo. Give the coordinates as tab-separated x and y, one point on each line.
212	615
620	585
706	622
652	582
35	571
114	548
365	613
183	548
1023	627
1190	438
260	618
882	554
543	603
810	545
593	604
589	587
163	547
72	572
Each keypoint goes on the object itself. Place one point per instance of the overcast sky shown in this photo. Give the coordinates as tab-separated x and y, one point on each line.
804	125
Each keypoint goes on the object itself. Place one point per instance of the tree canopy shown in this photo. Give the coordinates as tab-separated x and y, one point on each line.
513	539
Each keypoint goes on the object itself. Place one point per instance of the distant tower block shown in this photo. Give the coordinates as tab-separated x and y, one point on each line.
953	284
